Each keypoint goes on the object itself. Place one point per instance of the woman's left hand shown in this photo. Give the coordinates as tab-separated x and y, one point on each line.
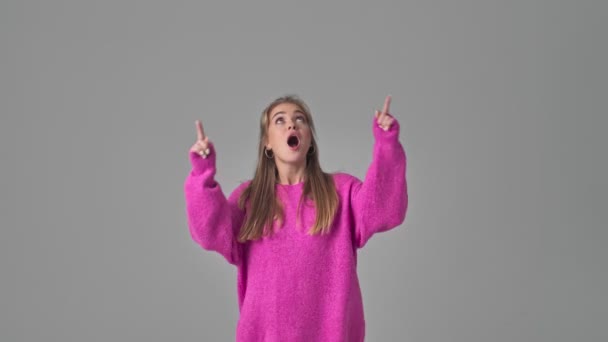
384	119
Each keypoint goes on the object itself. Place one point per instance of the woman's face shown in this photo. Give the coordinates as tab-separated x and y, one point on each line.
289	135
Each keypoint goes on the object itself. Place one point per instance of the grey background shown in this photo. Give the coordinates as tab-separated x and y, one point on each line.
503	111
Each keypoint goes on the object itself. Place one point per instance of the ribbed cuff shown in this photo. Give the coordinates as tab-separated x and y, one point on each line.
391	134
200	164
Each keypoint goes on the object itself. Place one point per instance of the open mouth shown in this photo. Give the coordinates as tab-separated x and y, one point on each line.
293	141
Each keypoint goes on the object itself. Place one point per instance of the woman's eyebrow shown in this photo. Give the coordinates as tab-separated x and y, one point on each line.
282	112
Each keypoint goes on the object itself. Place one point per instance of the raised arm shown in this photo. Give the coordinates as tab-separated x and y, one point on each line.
379	203
213	219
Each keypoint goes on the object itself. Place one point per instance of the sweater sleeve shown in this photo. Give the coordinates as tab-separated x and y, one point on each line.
214	220
380	202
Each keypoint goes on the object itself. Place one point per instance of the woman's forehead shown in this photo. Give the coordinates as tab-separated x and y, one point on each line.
285	108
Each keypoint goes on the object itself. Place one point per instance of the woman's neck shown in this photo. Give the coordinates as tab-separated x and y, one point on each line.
291	174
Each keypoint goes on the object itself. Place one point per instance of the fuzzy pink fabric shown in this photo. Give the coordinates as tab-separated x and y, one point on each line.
293	286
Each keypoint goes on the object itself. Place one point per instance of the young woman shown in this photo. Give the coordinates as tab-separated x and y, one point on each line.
293	230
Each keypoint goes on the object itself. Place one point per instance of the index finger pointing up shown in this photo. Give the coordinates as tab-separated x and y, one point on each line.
387	103
200	133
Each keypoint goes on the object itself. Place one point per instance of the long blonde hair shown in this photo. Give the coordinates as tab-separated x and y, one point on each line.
265	206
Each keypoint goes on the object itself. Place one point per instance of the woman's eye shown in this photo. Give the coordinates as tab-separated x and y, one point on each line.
281	119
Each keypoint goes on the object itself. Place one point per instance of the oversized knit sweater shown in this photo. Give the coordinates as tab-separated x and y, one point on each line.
293	286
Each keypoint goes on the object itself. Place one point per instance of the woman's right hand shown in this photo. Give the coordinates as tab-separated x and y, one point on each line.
201	146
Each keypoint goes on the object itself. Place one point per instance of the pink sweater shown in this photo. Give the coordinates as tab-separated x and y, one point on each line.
292	286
